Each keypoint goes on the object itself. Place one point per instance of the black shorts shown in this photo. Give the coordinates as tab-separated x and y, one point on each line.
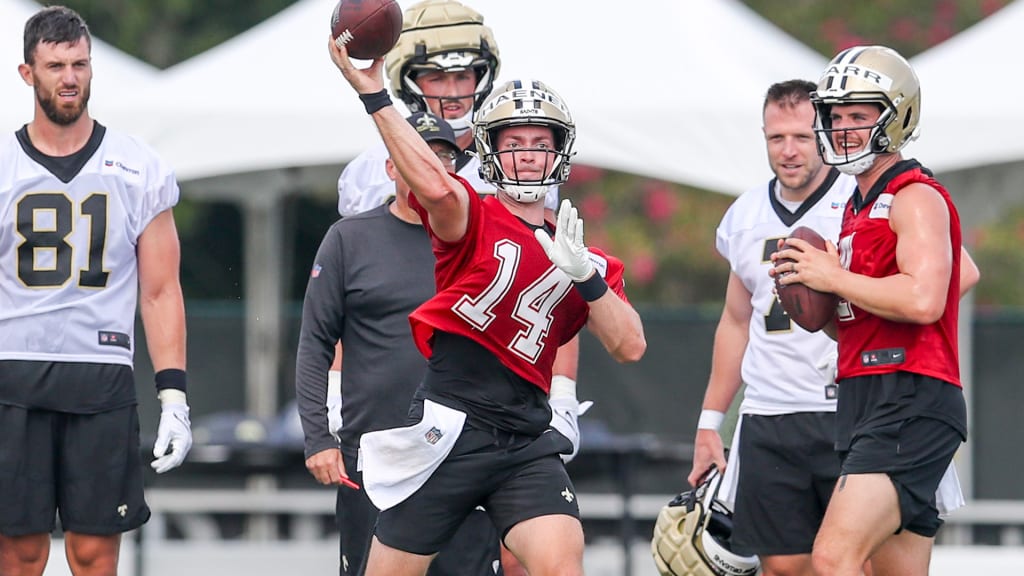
472	551
788	468
86	467
907	426
514	478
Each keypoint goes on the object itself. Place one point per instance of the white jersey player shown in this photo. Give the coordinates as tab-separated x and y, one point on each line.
69	288
783	466
86	235
785	368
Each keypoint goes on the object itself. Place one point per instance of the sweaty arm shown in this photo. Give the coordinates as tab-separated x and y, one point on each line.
617	325
445	198
161	303
920	219
917	294
731	339
163	315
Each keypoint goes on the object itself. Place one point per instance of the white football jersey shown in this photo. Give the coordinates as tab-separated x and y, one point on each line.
364	183
785	368
68	271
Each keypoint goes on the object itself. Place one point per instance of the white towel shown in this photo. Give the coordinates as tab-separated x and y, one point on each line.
727	493
398	461
949	497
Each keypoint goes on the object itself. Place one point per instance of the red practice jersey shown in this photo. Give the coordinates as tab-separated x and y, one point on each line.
497	287
869	344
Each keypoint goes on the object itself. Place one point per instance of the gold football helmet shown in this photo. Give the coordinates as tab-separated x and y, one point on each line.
442	35
692	536
873	74
517	103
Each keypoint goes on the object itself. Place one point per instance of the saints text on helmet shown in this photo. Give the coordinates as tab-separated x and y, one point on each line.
868	74
523	94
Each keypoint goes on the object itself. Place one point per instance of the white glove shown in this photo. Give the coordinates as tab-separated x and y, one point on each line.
565	411
175	431
334	420
567	251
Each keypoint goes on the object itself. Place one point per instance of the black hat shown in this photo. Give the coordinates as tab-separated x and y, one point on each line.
434	129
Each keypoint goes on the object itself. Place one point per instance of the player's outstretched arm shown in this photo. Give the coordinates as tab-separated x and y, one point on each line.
612	320
445	199
162	307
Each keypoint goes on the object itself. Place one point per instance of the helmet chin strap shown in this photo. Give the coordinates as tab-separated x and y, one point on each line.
525	193
461	125
858	166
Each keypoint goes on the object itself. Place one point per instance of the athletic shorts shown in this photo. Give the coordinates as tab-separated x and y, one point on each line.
514	478
86	467
474	550
907	426
788	468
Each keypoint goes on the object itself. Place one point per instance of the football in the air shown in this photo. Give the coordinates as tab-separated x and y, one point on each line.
367	28
809	308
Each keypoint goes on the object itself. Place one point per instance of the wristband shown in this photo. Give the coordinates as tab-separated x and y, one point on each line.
562	385
376	101
592	288
710	420
170	378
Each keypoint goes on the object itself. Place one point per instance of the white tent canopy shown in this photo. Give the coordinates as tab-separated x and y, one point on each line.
969	113
113	70
267	112
970	118
680	102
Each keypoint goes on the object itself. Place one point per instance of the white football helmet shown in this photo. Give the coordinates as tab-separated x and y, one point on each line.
692	535
518	103
873	74
446	36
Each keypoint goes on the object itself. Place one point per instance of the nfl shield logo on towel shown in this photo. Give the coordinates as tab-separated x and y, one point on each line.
433	435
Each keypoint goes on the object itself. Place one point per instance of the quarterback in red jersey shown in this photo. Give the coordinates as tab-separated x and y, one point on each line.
901	414
497	258
511	288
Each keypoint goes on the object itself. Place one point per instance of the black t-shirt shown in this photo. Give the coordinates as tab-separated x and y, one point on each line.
465	375
371	271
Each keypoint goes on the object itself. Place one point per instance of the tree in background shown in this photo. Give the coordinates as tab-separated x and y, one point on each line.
908	26
165	32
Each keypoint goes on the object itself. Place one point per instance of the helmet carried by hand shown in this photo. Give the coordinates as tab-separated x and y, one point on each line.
692	535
